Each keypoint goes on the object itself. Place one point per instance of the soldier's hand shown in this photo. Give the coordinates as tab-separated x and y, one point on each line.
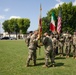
38	37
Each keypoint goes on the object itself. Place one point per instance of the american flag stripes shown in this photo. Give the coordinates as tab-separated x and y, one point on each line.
59	22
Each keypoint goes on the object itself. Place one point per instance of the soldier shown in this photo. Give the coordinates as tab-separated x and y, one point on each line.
67	44
32	48
47	42
71	43
55	44
54	38
57	38
61	45
74	45
27	40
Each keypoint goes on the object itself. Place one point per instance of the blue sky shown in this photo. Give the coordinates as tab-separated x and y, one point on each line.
27	9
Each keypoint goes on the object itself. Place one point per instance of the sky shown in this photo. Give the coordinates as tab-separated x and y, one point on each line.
27	9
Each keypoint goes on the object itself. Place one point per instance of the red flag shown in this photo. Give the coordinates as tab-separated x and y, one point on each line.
40	25
59	22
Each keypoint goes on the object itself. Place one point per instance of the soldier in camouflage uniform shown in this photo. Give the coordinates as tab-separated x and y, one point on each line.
67	44
55	44
47	42
74	45
27	40
32	48
61	45
57	37
71	43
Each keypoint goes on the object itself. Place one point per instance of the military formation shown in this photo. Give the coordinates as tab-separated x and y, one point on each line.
54	44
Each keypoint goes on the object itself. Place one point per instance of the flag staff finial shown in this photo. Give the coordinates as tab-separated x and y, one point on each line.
40	7
40	10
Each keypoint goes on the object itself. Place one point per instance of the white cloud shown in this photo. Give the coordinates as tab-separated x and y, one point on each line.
58	0
74	3
14	17
6	10
2	17
57	5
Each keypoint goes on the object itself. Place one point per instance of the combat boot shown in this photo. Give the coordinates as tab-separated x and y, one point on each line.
45	66
74	57
27	65
61	55
34	63
53	64
67	56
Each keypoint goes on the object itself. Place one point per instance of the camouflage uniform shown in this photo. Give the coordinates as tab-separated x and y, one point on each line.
71	43
61	45
55	45
32	49
74	46
67	45
57	37
27	40
47	42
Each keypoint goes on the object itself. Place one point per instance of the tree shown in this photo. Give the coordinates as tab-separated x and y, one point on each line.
23	24
45	24
16	29
6	26
16	25
26	24
68	17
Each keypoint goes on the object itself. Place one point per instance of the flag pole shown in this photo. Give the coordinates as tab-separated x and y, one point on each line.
40	27
40	22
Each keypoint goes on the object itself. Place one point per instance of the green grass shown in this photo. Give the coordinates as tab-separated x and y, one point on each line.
13	56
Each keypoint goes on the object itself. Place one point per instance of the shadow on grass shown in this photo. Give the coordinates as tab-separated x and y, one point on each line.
60	57
40	58
59	64
42	63
70	55
39	64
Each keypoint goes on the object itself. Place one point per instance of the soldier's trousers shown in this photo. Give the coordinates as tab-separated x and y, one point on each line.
61	49
56	50
49	54
67	50
70	48
32	55
74	51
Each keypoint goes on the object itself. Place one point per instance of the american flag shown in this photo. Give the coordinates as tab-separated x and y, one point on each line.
59	22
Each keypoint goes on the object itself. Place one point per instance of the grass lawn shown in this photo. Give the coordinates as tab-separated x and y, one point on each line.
13	56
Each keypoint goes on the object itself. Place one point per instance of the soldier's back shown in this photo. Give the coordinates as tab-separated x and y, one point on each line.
47	43
74	40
